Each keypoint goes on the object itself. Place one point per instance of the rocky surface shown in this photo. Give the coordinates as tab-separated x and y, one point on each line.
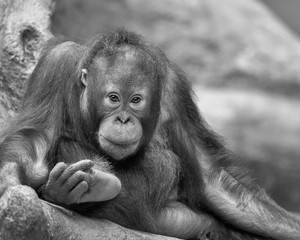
24	216
24	28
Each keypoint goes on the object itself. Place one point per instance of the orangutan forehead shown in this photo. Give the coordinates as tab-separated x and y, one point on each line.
128	66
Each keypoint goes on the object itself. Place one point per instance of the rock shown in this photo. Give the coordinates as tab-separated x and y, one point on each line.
24	216
24	28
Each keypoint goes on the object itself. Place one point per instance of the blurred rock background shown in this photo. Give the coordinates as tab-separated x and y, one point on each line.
287	10
244	64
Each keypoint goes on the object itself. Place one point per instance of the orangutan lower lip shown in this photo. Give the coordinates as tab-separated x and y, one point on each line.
120	143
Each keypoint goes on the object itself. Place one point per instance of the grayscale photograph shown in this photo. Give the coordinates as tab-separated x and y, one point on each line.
151	120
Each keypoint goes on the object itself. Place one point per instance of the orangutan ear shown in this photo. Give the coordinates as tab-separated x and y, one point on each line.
84	76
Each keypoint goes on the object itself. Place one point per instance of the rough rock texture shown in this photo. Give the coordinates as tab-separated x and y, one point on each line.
24	27
24	216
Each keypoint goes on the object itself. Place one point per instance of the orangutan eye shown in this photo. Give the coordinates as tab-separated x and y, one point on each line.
114	98
136	99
